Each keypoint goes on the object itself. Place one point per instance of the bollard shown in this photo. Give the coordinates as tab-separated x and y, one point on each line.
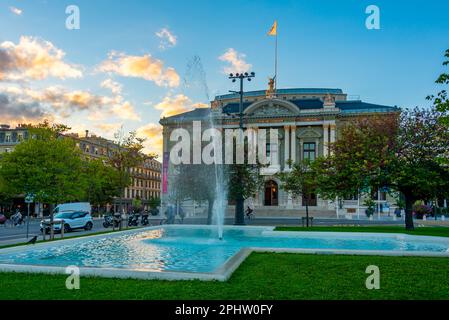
62	229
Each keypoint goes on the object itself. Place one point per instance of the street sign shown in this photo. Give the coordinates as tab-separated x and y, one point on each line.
29	198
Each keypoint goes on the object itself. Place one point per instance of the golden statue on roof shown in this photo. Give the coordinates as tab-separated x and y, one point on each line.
271	91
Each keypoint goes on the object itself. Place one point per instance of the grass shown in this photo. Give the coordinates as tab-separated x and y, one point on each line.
419	231
261	276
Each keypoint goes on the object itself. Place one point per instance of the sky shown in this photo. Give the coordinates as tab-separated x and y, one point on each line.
132	62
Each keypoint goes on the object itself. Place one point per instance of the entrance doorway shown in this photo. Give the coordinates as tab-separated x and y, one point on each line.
271	193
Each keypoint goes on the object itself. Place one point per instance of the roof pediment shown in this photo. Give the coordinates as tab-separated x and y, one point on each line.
272	107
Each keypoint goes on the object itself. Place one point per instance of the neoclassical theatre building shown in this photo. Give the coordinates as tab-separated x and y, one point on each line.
307	120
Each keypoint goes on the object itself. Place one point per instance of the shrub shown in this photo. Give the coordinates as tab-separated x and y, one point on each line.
421	210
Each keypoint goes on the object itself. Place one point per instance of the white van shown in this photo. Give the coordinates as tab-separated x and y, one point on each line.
74	206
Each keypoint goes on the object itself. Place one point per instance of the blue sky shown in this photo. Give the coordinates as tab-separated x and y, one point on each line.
321	44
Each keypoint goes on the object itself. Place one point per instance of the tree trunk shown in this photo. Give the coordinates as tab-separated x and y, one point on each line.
210	212
239	211
409	201
307	211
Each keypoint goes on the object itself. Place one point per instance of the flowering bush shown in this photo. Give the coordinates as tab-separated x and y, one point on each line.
421	210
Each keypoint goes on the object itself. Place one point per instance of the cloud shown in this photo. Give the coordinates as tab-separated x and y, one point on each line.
236	60
15	111
16	11
180	103
109	127
167	38
145	67
34	59
64	102
115	87
152	132
126	111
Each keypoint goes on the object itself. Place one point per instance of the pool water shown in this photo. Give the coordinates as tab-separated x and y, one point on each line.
197	249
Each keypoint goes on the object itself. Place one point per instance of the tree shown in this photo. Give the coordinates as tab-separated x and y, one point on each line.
419	170
47	165
300	181
359	159
124	157
441	100
102	181
196	182
375	153
245	181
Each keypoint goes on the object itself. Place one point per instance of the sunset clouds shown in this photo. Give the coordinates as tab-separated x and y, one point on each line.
236	61
34	59
145	67
172	105
152	132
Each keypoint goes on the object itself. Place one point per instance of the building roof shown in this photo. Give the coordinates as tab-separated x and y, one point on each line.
196	114
292	91
358	106
347	107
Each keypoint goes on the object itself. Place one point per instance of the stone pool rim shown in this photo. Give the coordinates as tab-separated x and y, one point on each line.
224	272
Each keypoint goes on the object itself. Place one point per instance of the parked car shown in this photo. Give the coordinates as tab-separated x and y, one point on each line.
72	220
73	206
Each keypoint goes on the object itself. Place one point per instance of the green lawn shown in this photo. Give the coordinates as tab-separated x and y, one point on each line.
261	276
266	276
419	231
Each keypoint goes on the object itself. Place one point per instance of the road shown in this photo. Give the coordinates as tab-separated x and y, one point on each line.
11	235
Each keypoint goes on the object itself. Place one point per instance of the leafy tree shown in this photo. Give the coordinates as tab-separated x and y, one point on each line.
300	181
47	165
359	159
245	181
102	181
409	157
419	171
154	202
441	100
196	182
124	157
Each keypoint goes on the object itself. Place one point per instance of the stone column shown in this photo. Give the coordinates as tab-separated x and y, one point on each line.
289	201
293	143
325	139
286	146
332	135
317	147
301	149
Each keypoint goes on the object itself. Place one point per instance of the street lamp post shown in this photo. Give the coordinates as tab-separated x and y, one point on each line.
239	211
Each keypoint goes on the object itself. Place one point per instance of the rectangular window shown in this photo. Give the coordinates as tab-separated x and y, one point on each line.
309	151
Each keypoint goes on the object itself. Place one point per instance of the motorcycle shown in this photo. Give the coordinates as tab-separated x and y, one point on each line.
133	220
110	220
144	220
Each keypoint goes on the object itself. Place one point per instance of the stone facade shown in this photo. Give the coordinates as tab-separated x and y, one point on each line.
307	121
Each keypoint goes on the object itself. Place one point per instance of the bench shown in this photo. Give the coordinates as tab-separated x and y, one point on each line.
304	221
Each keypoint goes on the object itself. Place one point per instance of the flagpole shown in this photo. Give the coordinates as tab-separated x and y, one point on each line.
276	63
